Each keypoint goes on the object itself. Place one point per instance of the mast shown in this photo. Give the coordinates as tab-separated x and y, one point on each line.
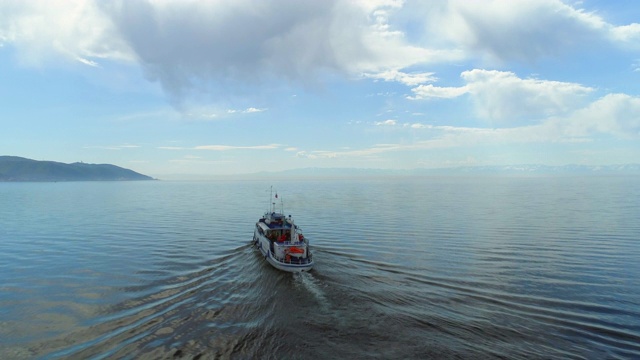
272	204
292	234
281	206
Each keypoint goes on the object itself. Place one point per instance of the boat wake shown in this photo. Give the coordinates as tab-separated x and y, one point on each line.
214	299
313	286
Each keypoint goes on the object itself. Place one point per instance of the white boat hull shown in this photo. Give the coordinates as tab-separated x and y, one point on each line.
288	267
295	264
281	242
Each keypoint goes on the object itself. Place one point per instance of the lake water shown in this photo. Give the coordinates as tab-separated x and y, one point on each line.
425	267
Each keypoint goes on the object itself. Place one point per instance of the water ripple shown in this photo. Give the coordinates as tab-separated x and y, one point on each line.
405	268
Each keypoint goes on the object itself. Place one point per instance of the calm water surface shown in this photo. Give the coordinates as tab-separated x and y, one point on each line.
433	267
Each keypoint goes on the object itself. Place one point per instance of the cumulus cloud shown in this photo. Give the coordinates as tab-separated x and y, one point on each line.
187	45
613	114
74	29
430	91
389	122
627	34
410	79
209	45
502	96
206	46
521	30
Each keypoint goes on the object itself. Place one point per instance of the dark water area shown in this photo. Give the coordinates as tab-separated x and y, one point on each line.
432	267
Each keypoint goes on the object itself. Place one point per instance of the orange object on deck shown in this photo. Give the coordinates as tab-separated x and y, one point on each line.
296	250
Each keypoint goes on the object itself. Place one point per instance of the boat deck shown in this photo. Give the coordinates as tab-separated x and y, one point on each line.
279	224
295	261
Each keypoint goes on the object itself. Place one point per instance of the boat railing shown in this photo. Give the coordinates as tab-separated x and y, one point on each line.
297	261
292	260
291	243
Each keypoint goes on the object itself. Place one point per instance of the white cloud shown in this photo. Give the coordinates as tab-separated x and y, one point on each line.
430	91
613	114
504	97
223	147
188	161
74	29
212	113
231	147
522	30
449	137
207	46
627	34
178	40
389	122
248	110
87	62
188	44
410	79
253	110
200	115
113	147
319	154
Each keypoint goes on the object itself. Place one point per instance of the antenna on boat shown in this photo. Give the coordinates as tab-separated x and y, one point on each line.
272	204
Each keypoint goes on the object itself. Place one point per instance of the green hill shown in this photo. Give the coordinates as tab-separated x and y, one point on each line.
14	168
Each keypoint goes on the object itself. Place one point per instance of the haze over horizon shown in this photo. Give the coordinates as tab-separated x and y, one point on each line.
232	87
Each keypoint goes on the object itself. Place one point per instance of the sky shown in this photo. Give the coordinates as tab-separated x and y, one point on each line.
204	88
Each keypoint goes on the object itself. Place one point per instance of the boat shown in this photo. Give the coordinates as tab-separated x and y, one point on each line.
281	241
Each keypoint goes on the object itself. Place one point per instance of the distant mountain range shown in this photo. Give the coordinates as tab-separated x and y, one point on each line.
14	168
546	169
629	169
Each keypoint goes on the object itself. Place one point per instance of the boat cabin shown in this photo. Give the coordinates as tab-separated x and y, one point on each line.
276	227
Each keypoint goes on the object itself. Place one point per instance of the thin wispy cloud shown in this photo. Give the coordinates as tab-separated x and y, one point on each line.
113	147
248	110
410	79
221	147
389	122
233	147
87	62
431	91
617	115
